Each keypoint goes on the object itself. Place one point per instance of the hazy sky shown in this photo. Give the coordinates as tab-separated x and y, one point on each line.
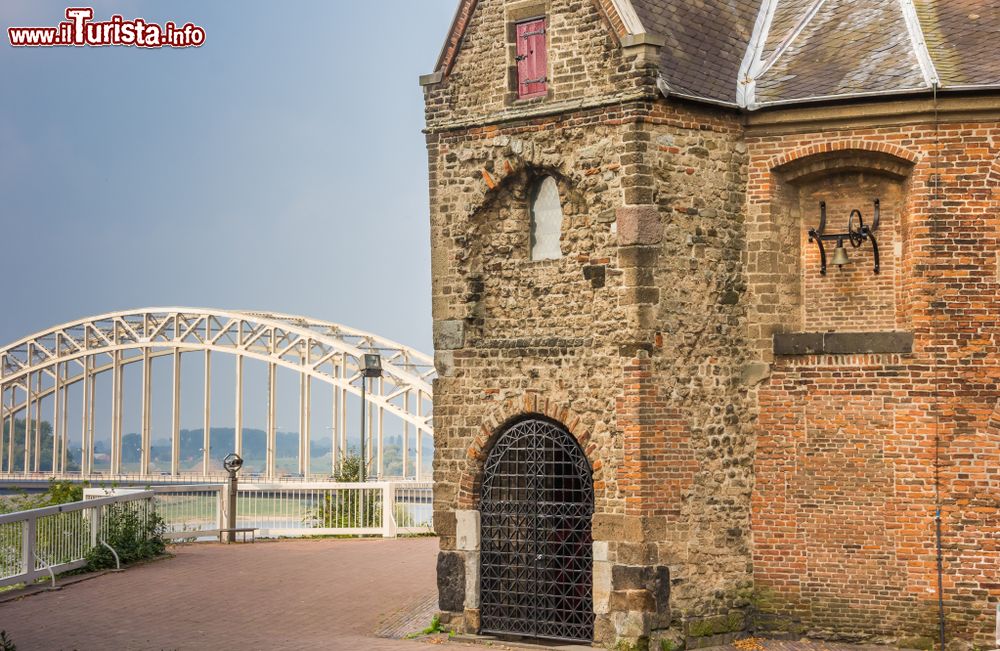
280	166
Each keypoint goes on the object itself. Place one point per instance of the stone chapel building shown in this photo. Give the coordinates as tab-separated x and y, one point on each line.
716	311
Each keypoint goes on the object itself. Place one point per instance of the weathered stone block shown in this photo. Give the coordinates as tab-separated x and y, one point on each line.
798	343
472	621
449	334
730	622
638	256
451	581
639	225
595	274
467	532
637	553
645	528
755	373
842	343
858	343
607	526
631	624
638	600
630	577
444	522
444	363
602	586
472	580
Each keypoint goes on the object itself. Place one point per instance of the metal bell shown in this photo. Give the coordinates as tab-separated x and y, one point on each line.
840	255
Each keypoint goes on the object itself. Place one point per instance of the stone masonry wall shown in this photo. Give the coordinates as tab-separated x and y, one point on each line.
648	379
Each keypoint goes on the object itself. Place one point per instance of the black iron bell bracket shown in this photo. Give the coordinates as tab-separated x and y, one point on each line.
857	234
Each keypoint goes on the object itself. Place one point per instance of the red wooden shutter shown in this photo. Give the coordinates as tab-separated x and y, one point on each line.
532	59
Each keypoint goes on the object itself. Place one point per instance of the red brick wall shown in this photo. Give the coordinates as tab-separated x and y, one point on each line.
852	451
852	297
659	464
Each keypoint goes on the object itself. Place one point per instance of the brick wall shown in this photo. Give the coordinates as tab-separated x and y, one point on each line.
848	448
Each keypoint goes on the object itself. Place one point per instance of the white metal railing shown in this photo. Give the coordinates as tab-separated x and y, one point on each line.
105	478
57	538
294	510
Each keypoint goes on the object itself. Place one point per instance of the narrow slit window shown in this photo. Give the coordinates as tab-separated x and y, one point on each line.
532	59
546	220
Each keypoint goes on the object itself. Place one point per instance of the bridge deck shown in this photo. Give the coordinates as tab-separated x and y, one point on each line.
301	594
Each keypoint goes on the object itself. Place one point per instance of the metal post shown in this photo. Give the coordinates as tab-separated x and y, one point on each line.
116	413
370	441
388	517
420	436
303	460
207	415
238	435
92	416
85	418
145	442
380	421
64	427
307	427
344	450
175	433
27	424
55	419
271	407
333	429
361	472
28	544
406	434
37	467
5	429
232	486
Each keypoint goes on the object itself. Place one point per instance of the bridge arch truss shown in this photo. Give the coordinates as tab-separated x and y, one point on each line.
45	366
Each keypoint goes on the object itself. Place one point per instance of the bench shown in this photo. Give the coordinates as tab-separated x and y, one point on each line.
242	530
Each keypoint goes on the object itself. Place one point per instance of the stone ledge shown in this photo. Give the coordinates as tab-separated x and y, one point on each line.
432	78
842	343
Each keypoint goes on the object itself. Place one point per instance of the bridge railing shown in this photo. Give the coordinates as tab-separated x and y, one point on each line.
295	510
55	539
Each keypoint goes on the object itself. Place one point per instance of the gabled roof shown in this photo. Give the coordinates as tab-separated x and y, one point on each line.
755	53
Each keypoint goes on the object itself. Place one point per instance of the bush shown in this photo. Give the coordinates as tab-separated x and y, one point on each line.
59	492
342	509
133	530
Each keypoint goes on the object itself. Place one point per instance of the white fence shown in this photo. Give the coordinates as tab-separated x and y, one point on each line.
55	539
294	510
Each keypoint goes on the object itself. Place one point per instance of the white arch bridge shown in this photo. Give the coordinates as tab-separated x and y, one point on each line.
106	398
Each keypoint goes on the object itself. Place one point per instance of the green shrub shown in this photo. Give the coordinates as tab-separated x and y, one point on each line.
59	492
135	533
342	509
6	644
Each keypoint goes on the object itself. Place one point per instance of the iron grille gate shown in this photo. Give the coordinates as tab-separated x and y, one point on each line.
536	554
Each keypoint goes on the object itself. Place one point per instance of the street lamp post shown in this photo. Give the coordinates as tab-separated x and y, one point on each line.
372	368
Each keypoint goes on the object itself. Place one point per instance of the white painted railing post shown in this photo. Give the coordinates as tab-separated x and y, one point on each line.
29	534
220	509
95	525
388	506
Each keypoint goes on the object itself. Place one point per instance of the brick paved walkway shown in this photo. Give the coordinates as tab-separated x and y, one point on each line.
302	594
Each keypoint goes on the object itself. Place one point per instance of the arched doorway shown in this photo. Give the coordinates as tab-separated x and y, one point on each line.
536	554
